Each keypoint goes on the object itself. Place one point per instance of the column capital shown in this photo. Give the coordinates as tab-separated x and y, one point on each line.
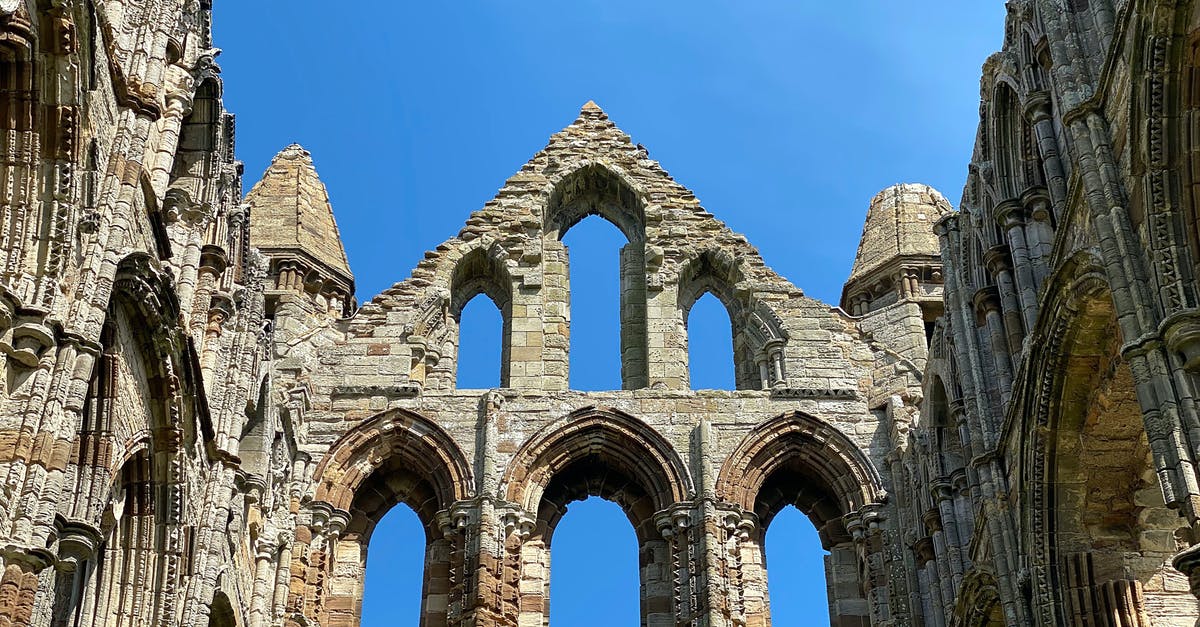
998	259
1038	106
1010	213
986	299
1037	202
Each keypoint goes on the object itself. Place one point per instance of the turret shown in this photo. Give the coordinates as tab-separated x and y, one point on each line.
291	222
898	257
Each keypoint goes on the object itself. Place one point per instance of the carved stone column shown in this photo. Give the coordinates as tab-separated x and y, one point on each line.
931	588
997	259
987	307
1039	232
19	584
1038	110
77	545
676	525
265	552
1010	214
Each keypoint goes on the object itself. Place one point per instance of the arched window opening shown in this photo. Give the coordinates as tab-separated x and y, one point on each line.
482	272
412	467
121	465
710	345
785	463
594	556
599	191
597	300
614	457
480	344
1009	143
221	614
394	582
797	568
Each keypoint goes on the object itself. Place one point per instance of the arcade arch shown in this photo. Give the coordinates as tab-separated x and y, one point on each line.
395	457
604	453
797	459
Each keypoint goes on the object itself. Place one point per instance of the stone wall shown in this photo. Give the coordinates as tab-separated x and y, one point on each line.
199	425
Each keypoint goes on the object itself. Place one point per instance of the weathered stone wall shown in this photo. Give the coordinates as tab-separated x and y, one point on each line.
998	426
800	363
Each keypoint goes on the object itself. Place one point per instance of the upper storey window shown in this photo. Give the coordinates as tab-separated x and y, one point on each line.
480	344
484	343
595	306
710	345
595	298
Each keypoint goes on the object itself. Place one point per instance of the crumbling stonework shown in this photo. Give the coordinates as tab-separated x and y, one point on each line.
200	426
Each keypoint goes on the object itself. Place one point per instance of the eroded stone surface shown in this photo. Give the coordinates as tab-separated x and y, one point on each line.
199	425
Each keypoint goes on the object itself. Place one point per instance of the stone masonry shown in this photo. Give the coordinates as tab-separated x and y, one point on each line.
200	425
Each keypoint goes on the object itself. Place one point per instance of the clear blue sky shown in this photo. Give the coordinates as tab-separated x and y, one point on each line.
783	117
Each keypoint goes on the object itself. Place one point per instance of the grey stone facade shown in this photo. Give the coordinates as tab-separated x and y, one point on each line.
200	425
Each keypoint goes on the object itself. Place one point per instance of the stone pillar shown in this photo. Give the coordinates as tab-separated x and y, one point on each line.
987	306
847	604
212	265
866	529
756	606
264	583
77	545
283	578
556	318
964	515
727	531
1038	111
945	575
931	584
679	567
997	259
19	584
1039	232
1011	217
634	323
943	497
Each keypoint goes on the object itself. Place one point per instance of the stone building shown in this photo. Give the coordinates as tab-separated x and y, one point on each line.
199	424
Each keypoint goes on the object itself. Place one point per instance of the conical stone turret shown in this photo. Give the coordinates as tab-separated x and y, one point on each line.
292	223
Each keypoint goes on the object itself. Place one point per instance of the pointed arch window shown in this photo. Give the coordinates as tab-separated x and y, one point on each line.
598	191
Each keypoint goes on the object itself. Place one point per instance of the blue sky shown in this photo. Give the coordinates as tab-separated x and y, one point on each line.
783	117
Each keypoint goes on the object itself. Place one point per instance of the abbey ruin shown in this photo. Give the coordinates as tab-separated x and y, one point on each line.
200	424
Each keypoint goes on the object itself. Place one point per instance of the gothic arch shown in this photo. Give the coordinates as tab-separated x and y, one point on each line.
395	457
1096	527
978	603
758	338
602	189
483	271
127	461
605	453
354	477
797	459
586	445
595	189
826	453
